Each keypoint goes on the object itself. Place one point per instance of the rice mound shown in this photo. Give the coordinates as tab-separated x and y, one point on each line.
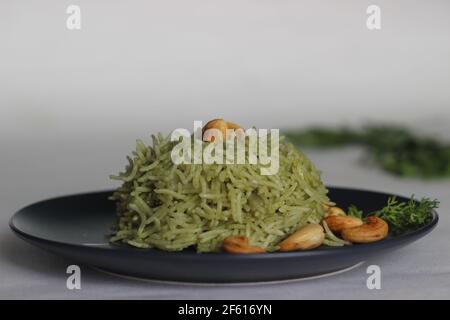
173	207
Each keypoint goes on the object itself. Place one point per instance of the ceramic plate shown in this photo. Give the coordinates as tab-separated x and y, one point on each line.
77	227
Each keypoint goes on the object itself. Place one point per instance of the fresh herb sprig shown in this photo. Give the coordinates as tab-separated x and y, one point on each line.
353	211
394	149
402	217
407	216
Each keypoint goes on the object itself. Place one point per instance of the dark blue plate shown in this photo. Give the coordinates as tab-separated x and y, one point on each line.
77	227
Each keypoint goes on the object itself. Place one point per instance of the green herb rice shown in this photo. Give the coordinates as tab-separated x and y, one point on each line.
172	207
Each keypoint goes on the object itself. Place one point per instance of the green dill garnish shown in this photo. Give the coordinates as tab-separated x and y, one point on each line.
407	216
402	217
395	149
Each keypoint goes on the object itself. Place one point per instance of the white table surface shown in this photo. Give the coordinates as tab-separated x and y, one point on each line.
29	174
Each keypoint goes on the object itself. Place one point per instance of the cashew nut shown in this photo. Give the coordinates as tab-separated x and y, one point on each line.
307	237
239	244
374	229
334	211
339	223
234	126
220	125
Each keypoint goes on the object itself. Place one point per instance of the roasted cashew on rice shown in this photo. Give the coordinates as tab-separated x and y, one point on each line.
220	125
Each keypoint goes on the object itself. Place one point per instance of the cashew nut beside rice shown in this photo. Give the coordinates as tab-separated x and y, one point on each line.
307	237
353	229
338	223
374	229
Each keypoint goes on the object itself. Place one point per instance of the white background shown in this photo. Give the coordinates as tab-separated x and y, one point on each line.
143	66
73	102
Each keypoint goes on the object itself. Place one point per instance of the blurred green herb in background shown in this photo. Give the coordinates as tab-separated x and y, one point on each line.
395	149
